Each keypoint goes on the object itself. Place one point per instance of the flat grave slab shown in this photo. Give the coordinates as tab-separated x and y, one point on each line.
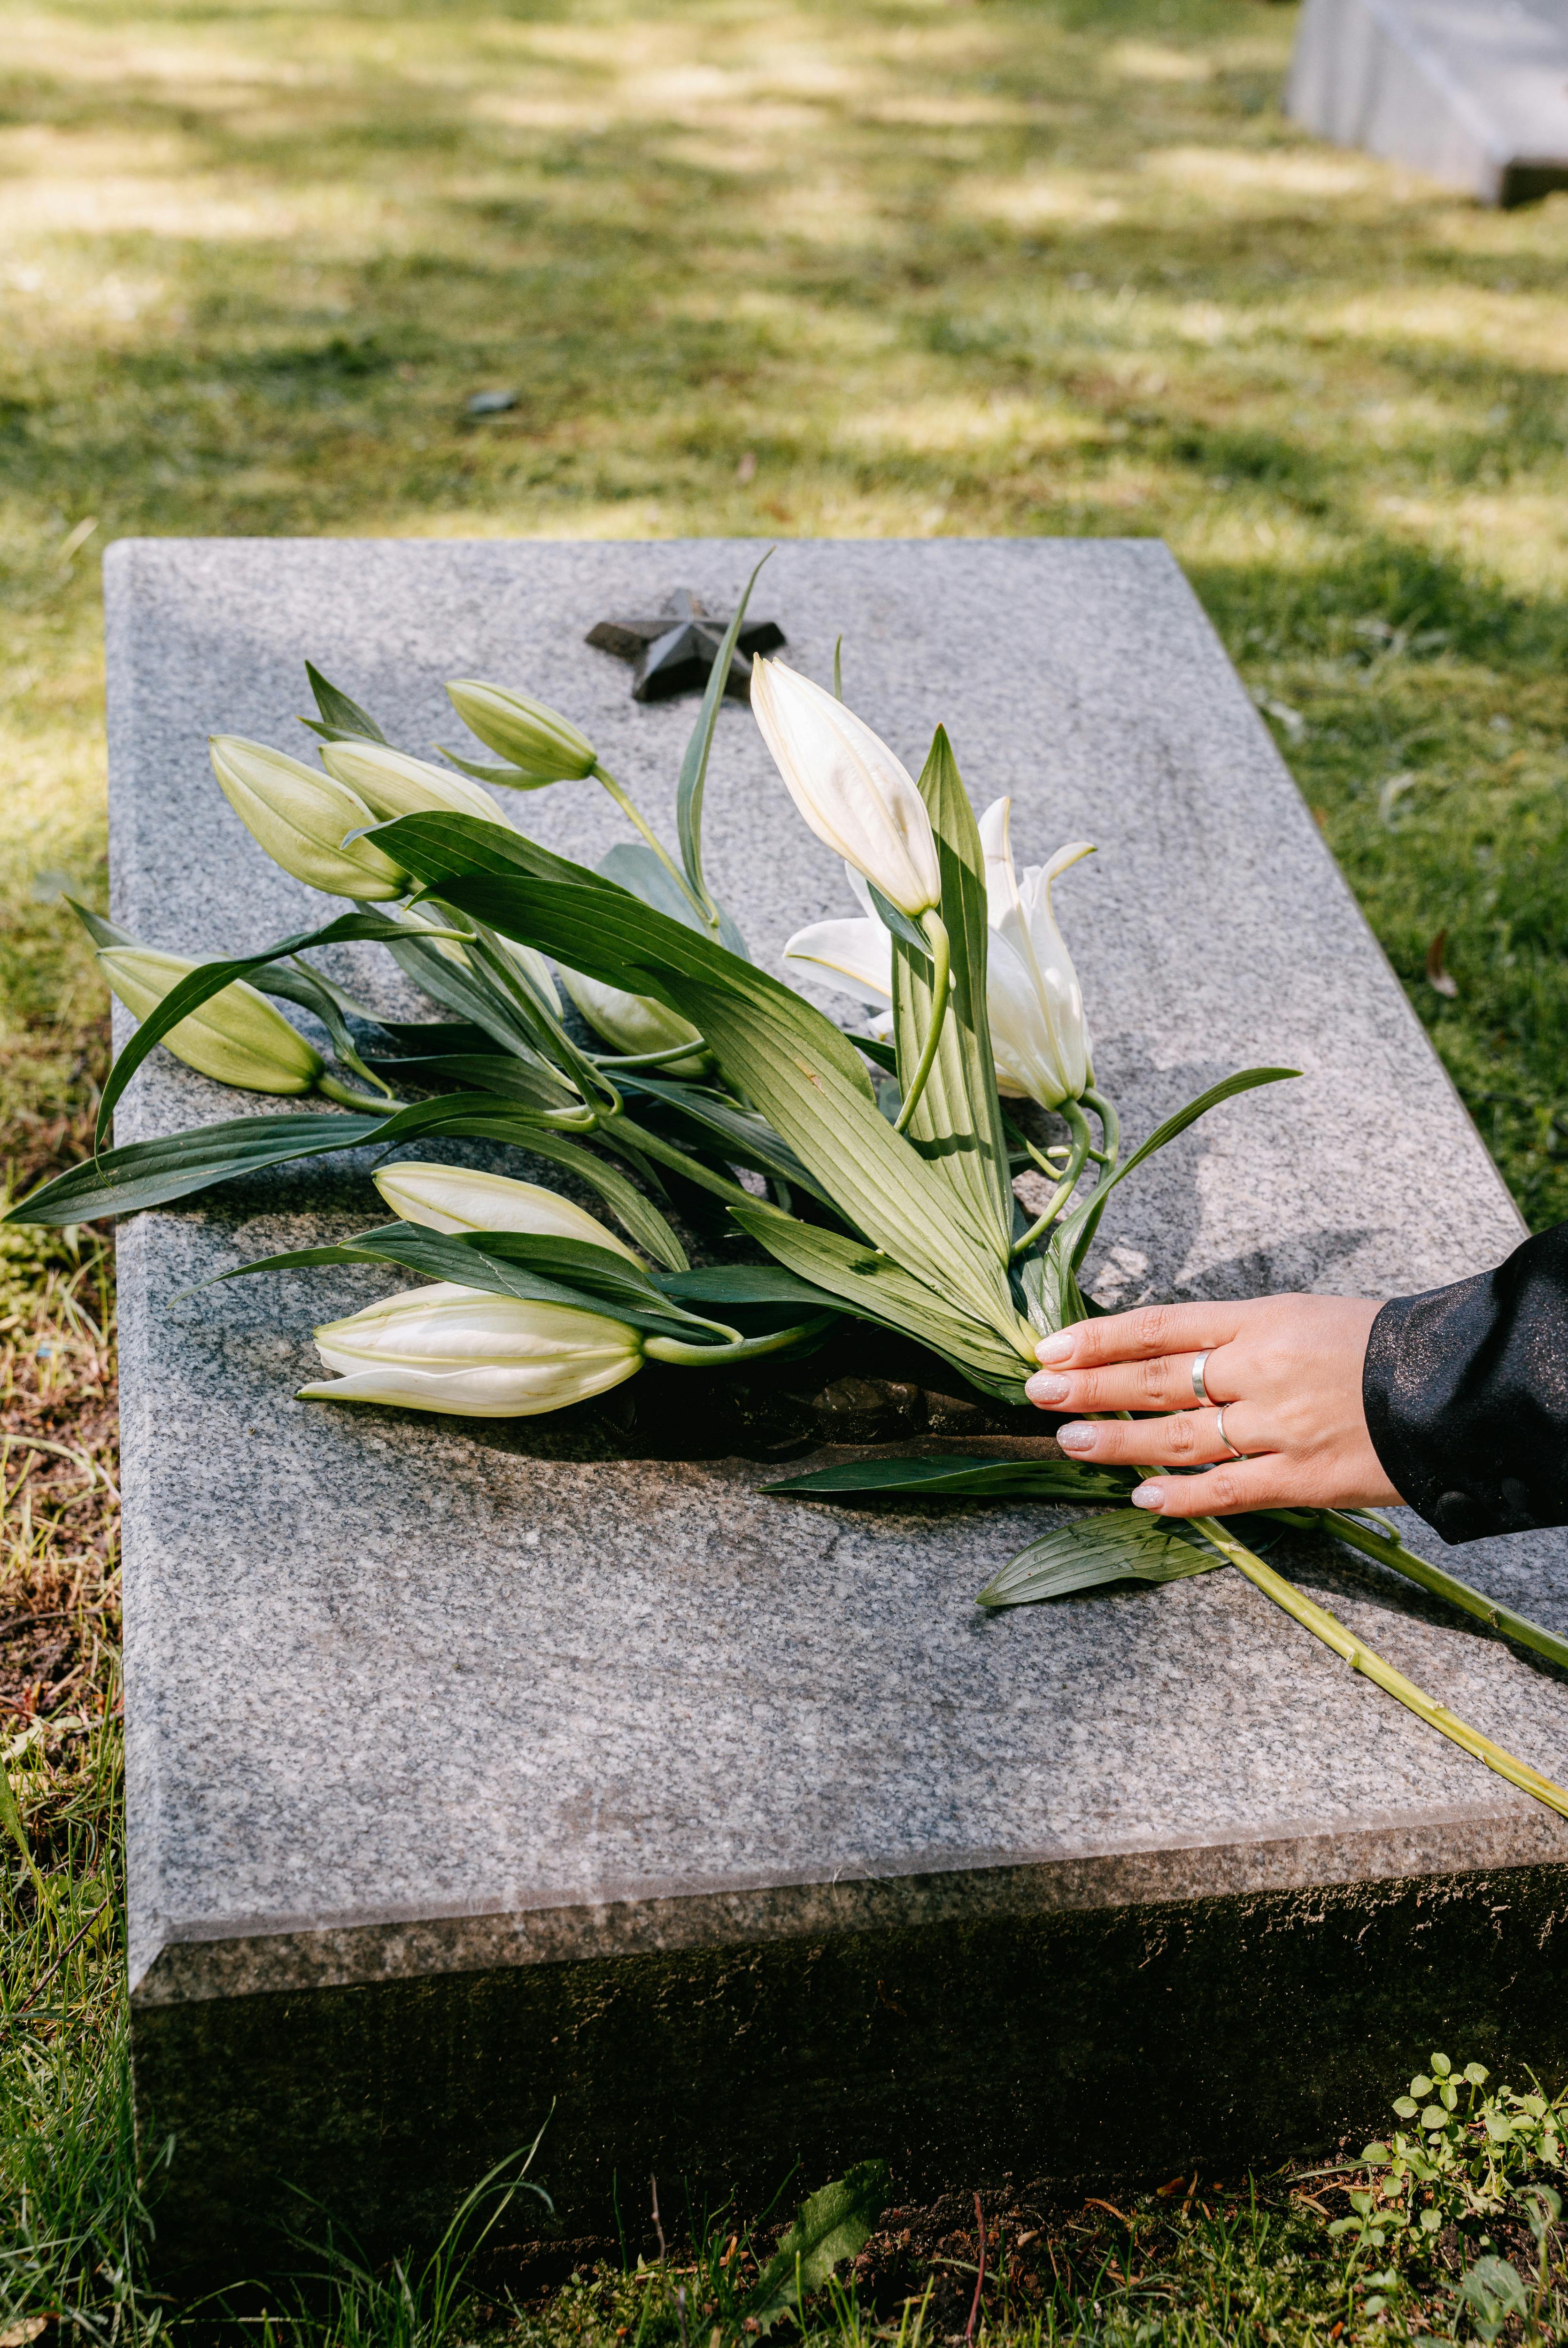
1472	92
476	1768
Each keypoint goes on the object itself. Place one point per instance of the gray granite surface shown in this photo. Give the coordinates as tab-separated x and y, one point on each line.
1472	92
409	1696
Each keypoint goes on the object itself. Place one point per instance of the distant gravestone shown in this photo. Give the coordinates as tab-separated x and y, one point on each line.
1472	92
482	1771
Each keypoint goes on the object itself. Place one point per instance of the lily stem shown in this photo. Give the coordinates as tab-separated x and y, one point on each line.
1082	1151
1390	1549
941	946
745	1349
623	1060
635	816
1109	1126
1362	1658
346	1097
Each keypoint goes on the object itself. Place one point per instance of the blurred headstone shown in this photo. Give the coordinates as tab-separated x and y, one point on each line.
1472	92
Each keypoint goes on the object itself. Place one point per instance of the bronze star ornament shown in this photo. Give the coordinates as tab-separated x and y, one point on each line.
674	648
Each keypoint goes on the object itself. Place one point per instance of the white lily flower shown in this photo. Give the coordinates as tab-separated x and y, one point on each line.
391	783
301	818
856	796
459	1198
636	1024
1038	1032
1033	1000
236	1035
458	1350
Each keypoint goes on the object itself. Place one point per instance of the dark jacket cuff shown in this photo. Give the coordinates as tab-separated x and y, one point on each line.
1466	1393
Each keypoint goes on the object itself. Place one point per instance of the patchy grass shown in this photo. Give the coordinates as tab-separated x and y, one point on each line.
773	266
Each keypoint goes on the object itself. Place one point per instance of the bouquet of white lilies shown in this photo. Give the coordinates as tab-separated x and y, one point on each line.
869	1176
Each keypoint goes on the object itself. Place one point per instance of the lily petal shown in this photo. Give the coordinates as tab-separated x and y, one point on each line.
860	952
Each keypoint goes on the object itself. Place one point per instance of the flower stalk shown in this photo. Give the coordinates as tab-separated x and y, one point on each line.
941	944
1083	1153
1390	1549
1365	1660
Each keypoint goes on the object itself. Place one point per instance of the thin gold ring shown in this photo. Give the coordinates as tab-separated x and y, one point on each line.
1220	1431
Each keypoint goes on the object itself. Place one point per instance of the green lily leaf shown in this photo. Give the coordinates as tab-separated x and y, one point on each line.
155	1173
341	719
505	1074
638	1217
633	865
741	1138
831	2226
1126	1545
694	766
506	779
747	1283
875	1288
503	1263
959	1477
957	1123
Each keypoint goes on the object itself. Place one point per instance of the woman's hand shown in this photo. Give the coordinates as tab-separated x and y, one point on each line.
1285	1370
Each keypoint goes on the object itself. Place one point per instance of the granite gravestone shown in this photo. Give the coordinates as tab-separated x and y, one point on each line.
1472	92
478	1771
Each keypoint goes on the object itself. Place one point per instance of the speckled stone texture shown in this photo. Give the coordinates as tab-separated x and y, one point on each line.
476	1765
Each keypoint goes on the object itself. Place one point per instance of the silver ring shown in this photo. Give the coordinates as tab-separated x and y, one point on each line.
1199	1388
1220	1431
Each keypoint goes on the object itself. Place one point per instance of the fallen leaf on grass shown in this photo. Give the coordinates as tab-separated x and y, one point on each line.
1442	981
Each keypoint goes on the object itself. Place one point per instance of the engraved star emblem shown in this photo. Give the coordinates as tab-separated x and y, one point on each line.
674	648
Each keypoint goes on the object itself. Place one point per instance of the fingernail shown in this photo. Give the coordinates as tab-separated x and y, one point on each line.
1045	1386
1077	1438
1058	1348
1147	1496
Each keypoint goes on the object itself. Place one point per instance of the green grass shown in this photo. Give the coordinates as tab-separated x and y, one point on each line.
824	266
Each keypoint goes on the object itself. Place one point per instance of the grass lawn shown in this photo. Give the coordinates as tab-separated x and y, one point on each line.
916	268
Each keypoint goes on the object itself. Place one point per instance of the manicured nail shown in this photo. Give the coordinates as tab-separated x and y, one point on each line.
1045	1386
1077	1438
1058	1348
1149	1496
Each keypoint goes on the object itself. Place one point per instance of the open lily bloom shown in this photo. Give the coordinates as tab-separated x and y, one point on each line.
458	1350
1038	1034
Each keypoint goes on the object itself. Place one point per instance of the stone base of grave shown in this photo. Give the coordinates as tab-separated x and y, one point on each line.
1472	92
1047	2027
481	1771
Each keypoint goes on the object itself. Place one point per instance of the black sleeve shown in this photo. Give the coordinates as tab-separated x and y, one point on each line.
1466	1391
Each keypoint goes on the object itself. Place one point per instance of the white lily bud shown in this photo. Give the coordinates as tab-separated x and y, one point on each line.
392	784
855	795
301	818
458	1198
236	1035
634	1024
530	736
458	1350
1038	1032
